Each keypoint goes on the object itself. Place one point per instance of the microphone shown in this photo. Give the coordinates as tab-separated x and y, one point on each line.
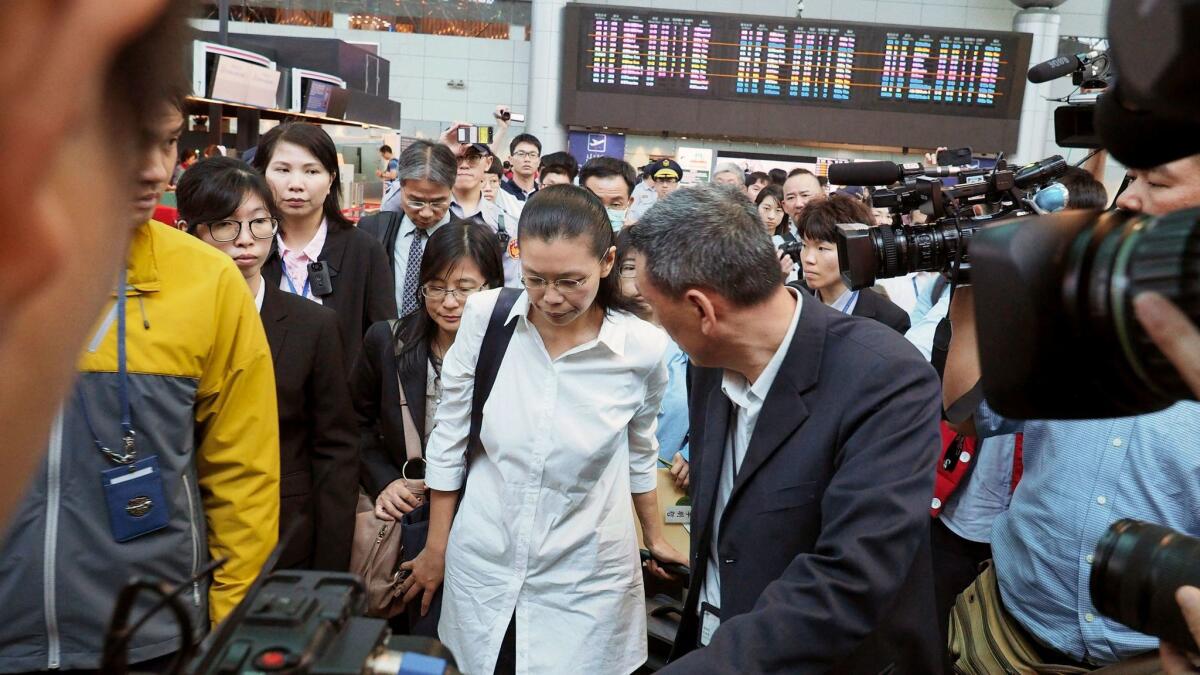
887	173
1040	172
1059	66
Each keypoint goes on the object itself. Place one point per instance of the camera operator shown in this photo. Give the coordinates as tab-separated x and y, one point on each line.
811	437
1079	477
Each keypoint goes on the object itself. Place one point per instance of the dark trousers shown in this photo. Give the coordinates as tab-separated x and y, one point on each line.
506	662
955	565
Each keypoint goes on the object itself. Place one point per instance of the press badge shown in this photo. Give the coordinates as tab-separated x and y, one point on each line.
137	503
710	620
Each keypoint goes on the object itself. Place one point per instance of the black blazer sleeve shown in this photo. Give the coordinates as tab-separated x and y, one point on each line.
381	287
882	310
874	517
334	452
377	470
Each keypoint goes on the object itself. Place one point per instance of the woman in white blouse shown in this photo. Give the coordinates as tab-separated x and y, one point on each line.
541	567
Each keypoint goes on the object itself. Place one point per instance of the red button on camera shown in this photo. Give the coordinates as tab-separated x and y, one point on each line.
272	660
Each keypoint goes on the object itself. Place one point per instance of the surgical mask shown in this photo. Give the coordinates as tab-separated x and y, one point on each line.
1052	198
617	218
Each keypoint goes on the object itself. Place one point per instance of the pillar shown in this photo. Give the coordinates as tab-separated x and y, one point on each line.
545	75
1037	114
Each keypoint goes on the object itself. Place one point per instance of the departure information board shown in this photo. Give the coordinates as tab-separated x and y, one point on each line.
709	60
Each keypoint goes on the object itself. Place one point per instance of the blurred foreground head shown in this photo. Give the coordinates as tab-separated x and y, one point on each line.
81	84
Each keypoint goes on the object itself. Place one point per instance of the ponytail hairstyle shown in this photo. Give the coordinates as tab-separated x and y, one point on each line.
569	212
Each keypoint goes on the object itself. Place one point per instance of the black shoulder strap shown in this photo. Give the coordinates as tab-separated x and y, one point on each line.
491	353
941	346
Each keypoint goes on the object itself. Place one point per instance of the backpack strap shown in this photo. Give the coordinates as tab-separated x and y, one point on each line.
491	353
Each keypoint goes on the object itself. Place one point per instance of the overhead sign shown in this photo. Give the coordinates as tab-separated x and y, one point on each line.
584	145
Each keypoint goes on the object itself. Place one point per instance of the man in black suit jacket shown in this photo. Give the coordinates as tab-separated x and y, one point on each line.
318	439
813	439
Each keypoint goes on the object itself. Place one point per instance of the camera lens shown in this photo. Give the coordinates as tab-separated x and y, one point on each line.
1136	569
867	253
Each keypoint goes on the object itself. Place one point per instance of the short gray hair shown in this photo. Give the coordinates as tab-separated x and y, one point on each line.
425	160
730	167
708	236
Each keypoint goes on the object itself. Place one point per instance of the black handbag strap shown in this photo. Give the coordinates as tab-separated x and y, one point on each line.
491	353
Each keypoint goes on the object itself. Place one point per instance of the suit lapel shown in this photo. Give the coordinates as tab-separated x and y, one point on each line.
783	412
716	426
273	316
865	307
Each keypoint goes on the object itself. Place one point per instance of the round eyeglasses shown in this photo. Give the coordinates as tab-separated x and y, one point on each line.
229	230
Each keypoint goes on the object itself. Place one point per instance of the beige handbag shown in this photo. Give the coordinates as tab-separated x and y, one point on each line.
375	555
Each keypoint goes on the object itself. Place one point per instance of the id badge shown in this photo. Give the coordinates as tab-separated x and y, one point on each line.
710	620
137	503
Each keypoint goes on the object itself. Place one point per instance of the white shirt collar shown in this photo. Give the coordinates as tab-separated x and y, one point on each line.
407	226
613	330
312	250
738	388
262	293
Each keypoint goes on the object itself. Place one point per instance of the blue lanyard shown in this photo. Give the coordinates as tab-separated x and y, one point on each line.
127	438
849	299
292	284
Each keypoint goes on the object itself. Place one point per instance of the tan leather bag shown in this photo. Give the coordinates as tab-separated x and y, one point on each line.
375	555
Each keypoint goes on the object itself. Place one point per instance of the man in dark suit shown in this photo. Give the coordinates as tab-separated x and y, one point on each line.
814	437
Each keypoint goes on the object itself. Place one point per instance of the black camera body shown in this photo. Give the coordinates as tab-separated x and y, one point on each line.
311	622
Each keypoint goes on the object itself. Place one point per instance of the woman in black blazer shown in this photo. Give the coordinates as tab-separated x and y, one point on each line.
817	224
229	206
319	254
460	259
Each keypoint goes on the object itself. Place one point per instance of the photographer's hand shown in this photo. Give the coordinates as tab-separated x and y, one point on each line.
1174	334
1174	660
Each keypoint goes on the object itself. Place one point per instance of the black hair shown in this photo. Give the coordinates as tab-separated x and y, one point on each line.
776	193
777	176
495	169
215	187
756	176
385	148
818	220
560	162
318	143
606	167
188	153
801	171
525	138
1083	190
452	242
567	212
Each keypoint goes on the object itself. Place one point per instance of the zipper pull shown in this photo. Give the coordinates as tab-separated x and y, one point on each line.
196	592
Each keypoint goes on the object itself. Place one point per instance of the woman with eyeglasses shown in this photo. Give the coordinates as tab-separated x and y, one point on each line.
229	206
541	567
461	258
319	254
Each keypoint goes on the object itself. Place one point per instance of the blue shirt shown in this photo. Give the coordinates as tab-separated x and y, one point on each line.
1080	477
673	422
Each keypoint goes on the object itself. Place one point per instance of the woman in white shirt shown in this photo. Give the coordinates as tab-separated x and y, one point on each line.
541	567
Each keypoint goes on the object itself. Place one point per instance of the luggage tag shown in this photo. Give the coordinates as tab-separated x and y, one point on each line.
136	499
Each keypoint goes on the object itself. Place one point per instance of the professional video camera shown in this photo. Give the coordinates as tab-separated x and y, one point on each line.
982	196
293	621
1091	72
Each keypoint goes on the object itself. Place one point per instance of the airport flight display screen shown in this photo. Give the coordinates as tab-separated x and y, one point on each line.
839	65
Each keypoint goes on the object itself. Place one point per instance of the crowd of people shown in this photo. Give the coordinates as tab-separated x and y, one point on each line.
517	350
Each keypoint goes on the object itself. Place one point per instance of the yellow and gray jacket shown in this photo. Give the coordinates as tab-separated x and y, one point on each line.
202	395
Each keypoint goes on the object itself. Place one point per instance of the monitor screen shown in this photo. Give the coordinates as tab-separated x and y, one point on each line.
792	79
316	100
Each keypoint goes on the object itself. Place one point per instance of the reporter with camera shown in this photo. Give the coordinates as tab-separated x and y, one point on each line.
812	435
1079	477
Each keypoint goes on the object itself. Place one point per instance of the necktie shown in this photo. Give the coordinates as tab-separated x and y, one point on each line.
412	273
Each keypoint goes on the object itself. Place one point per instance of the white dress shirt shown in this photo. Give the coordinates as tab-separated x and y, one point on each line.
404	240
295	264
545	528
747	400
261	294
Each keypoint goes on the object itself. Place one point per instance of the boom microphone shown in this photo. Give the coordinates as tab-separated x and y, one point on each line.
1060	66
887	173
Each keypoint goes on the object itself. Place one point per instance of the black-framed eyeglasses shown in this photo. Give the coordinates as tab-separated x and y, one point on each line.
472	160
230	230
438	294
527	154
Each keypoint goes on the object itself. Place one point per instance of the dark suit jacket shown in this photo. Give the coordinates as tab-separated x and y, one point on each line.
318	446
872	305
824	541
377	400
363	290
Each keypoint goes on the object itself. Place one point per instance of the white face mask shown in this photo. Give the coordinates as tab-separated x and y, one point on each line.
616	218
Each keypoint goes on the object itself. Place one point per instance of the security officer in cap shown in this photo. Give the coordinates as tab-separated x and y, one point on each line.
667	173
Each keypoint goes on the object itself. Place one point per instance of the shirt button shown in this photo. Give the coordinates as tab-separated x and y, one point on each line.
1117	442
1101	500
1089	617
1090	558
